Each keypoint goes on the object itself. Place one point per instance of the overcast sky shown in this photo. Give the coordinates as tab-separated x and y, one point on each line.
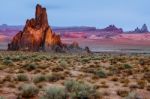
127	14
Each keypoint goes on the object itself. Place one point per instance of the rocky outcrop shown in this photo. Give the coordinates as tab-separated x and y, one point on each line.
137	30
36	35
144	29
113	28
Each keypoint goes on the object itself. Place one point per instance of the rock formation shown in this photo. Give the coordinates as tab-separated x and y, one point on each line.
137	30
144	29
113	28
36	35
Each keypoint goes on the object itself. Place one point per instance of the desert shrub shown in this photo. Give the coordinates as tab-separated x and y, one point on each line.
85	60
101	74
133	95
43	57
95	58
63	63
16	58
70	84
30	66
55	57
1	97
127	66
121	59
40	57
79	90
7	62
7	58
36	59
28	90
39	78
113	61
22	77
34	55
54	77
55	93
24	57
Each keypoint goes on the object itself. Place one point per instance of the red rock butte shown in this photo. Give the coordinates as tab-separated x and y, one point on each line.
36	35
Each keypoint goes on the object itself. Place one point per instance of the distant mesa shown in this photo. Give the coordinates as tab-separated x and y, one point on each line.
113	28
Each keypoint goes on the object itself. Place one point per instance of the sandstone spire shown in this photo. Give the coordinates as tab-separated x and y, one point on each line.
36	35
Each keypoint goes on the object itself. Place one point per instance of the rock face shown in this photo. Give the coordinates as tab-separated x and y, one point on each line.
36	35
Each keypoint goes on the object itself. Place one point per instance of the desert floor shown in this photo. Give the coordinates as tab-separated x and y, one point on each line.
41	75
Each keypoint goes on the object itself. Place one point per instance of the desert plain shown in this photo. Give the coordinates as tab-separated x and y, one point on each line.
47	75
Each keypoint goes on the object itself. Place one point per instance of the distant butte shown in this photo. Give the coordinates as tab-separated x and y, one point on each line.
36	35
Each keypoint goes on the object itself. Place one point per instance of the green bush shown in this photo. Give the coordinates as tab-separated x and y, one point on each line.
85	60
7	58
70	84
28	90
63	63
16	58
127	66
54	77
80	90
30	66
1	97
7	62
39	78
22	77
101	74
55	93
133	95
37	59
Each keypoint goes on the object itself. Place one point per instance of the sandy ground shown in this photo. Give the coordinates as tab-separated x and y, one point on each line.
113	76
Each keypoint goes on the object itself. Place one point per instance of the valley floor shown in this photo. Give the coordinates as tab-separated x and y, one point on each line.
39	75
112	45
